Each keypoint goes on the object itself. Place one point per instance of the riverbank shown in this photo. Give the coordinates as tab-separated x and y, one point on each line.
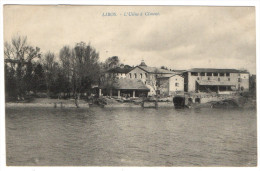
48	103
112	102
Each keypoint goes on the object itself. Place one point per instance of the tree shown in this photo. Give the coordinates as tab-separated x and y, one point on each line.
19	56
39	83
28	81
112	62
10	82
86	68
50	71
66	57
108	81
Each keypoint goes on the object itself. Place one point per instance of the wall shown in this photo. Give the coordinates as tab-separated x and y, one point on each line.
118	75
137	71
244	81
147	78
168	85
233	79
172	84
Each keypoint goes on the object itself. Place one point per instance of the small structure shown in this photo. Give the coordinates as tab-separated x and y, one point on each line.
170	84
127	88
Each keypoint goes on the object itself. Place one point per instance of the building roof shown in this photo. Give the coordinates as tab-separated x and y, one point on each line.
217	70
215	83
130	84
179	71
126	69
155	70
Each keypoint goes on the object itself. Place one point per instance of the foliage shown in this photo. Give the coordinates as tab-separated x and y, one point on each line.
26	71
86	68
19	58
112	62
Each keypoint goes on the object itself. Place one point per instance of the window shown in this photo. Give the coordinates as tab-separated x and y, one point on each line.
209	73
194	74
145	75
202	74
228	79
208	78
218	79
239	79
215	74
227	74
130	75
145	82
176	84
121	74
198	78
135	75
221	74
141	75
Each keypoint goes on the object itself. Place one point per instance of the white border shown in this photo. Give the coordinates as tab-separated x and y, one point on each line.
255	3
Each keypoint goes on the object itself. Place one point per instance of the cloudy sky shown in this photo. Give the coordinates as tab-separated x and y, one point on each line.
179	37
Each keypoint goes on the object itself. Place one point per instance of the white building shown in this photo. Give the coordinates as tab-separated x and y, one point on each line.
216	80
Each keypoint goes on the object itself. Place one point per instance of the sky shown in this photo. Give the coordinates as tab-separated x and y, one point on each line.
180	37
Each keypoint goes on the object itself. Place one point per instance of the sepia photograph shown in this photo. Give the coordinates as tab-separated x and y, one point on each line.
130	86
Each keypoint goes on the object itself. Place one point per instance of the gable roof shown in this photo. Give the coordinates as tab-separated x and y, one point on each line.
216	70
130	84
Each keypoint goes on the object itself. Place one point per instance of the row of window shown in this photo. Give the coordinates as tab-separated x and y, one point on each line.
140	75
210	74
239	79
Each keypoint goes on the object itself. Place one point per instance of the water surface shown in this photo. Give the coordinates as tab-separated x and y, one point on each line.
130	137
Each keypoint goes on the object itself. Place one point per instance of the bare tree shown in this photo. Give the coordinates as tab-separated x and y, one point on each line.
19	56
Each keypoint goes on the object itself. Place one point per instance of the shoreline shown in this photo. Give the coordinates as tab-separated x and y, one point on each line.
83	105
111	103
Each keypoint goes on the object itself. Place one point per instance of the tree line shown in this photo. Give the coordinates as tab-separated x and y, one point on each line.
72	72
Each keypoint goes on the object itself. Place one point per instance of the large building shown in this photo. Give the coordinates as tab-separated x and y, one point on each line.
215	80
159	81
141	80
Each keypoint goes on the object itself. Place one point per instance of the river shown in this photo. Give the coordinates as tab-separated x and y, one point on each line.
130	137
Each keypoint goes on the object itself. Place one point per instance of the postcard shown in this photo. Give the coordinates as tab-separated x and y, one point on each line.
130	85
